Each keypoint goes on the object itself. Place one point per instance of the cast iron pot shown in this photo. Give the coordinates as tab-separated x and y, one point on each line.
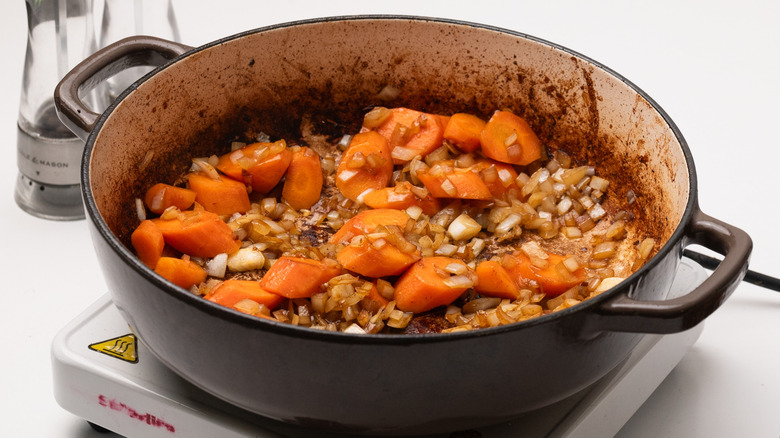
327	72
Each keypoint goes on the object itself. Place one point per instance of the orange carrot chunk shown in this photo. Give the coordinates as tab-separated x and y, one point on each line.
365	165
444	180
416	132
464	131
508	138
367	222
428	284
304	180
230	292
553	278
161	196
260	165
295	277
375	259
198	233
401	197
183	273
495	281
223	196
148	242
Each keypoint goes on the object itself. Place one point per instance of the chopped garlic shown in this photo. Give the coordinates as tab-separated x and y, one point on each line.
247	259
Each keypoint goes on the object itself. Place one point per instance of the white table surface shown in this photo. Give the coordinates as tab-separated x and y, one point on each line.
713	66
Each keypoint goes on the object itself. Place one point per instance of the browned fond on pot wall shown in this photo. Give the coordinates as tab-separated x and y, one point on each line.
267	81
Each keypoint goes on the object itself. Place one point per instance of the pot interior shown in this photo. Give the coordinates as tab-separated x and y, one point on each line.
321	76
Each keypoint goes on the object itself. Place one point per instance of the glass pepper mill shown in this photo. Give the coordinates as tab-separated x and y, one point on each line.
60	34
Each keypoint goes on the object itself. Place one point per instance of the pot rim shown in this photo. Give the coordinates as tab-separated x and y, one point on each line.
234	316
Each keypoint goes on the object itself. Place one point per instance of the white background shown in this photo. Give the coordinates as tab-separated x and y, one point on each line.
714	68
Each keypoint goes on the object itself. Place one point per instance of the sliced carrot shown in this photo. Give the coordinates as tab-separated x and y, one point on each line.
365	165
495	281
498	177
376	260
552	279
198	233
415	130
401	197
161	196
230	292
508	138
304	180
183	273
261	165
422	288
148	242
367	222
445	181
223	196
295	277
464	131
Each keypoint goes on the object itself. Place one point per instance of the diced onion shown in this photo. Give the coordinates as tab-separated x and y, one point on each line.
456	268
564	205
363	194
596	212
247	306
571	264
571	232
375	117
346	175
446	249
403	153
477	245
532	249
598	183
357	160
458	281
355	329
604	250
204	166
414	212
606	284
506	177
646	247
449	188
217	266
508	223
140	211
464	227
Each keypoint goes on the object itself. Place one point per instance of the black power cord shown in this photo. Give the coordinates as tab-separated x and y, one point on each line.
752	277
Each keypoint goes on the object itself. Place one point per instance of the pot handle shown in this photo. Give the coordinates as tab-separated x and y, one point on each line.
625	314
124	54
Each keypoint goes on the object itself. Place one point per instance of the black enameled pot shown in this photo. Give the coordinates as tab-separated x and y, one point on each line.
388	384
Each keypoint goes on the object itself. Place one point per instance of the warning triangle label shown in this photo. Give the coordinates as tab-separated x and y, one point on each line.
122	347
